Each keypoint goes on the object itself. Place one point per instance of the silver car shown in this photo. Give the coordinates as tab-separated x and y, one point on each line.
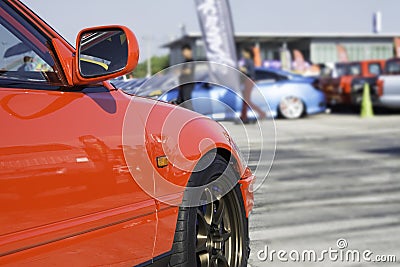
389	85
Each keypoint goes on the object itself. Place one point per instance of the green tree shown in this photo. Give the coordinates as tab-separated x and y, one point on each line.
158	63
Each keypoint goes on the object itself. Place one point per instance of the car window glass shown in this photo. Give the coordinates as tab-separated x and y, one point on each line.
24	53
342	70
355	69
266	76
16	56
393	67
374	68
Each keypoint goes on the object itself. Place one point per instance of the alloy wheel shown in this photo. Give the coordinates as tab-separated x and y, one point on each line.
219	242
291	107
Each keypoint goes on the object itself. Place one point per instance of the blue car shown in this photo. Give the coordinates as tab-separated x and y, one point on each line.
288	95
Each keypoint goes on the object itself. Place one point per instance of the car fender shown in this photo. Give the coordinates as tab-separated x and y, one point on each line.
181	147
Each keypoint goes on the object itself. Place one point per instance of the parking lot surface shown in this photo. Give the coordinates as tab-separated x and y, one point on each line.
334	177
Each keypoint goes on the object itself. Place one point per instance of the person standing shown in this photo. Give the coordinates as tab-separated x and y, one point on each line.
186	78
248	69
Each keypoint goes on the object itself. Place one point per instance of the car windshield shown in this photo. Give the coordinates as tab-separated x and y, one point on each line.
353	69
273	75
341	69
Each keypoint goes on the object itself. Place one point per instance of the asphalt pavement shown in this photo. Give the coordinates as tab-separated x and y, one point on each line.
334	177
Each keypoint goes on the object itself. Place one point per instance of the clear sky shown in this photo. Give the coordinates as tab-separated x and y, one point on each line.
159	20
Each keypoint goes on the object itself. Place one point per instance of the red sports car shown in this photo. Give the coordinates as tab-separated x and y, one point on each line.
92	176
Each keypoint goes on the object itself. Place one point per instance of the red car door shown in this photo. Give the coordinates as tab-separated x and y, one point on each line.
66	195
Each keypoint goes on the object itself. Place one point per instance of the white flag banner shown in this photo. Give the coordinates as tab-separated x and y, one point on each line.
218	35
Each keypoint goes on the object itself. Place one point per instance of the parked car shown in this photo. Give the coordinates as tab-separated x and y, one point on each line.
288	95
389	85
346	83
75	160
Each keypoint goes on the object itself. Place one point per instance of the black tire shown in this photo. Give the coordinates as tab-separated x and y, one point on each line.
200	233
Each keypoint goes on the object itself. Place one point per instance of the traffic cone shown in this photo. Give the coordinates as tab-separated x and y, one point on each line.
366	104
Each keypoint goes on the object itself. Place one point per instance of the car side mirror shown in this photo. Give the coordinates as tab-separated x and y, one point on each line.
104	53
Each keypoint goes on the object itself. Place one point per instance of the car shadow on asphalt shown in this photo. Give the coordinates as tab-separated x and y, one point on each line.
392	151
